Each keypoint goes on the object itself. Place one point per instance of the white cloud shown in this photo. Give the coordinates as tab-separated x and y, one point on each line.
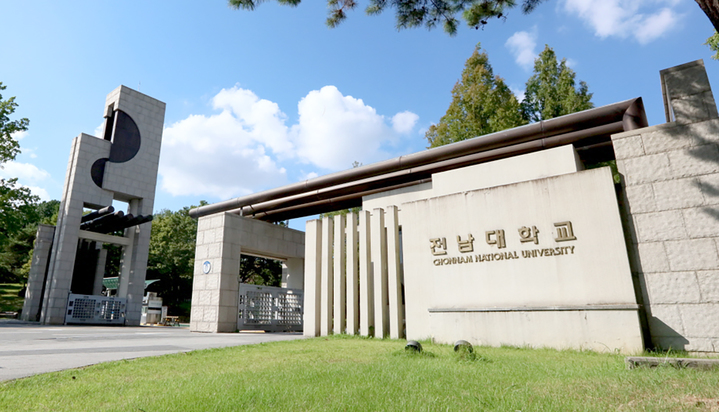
639	19
656	25
307	176
99	130
336	130
518	93
262	119
25	172
247	146
522	45
19	135
28	175
39	192
214	155
404	122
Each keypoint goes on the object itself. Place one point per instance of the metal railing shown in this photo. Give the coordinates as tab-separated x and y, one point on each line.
269	308
95	309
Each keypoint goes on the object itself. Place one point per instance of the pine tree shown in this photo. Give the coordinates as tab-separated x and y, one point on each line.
551	91
481	104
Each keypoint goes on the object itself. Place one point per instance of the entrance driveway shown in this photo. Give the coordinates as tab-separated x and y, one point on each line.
29	348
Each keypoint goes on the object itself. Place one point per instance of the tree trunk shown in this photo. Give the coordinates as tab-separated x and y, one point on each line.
711	9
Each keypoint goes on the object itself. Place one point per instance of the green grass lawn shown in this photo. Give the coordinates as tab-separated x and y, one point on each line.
354	374
9	301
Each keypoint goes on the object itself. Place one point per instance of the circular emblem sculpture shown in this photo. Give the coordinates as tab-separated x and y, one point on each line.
206	267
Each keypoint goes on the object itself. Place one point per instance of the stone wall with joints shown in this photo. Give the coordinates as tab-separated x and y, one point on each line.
670	181
221	240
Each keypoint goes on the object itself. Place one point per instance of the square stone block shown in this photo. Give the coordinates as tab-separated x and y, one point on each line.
709	286
696	161
665	320
702	222
672	287
692	254
677	194
669	137
640	198
652	257
710	188
692	108
645	169
700	320
627	147
686	79
658	226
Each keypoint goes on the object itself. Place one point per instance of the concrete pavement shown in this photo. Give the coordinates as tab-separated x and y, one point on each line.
29	348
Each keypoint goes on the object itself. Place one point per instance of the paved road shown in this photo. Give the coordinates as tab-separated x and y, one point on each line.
28	348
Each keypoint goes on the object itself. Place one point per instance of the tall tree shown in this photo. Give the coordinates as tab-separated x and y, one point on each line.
171	258
17	204
481	104
552	90
431	13
16	249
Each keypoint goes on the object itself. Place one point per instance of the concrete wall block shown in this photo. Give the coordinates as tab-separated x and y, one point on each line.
658	226
709	286
646	169
210	314
709	185
229	283
673	287
677	194
198	283
694	254
696	161
700	320
692	108
212	282
666	320
652	258
700	345
230	265
669	138
701	222
686	79
627	147
641	198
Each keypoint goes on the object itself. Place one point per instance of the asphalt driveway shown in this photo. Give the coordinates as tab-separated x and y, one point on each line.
29	348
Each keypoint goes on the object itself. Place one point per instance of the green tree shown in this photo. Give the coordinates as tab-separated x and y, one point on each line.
171	258
481	104
16	249
9	147
431	13
17	204
417	13
552	91
260	271
713	43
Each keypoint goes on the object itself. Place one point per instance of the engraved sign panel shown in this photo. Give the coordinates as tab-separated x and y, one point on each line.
547	244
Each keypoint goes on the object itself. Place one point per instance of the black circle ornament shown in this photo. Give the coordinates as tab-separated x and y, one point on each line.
413	346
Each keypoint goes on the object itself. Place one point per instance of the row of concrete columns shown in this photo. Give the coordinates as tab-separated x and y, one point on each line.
353	275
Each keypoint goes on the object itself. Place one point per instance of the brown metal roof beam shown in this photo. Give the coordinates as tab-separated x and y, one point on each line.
629	113
293	207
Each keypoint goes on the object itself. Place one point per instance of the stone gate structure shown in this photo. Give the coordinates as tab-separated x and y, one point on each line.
522	237
119	166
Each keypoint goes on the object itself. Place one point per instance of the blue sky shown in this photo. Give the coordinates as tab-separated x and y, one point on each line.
270	97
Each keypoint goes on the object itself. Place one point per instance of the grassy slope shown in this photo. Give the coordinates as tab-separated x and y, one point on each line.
9	301
355	374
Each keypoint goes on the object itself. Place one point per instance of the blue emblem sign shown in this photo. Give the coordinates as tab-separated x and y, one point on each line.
206	267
